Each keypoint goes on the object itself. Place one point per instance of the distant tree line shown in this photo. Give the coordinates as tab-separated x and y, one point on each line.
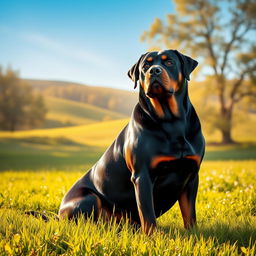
20	107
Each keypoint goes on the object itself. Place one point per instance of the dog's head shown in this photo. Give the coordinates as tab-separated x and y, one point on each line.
161	74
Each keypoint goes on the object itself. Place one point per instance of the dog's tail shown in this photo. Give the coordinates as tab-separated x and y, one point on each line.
42	215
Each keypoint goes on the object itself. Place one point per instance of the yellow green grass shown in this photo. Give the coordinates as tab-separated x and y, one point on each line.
57	147
98	134
39	166
226	208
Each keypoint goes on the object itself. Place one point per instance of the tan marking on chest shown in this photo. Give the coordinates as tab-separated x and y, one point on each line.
195	158
173	106
159	159
157	107
128	158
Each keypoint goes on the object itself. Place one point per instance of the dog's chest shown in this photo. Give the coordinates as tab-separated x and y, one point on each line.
173	175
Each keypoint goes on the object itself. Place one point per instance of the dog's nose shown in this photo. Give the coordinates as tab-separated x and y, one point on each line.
155	71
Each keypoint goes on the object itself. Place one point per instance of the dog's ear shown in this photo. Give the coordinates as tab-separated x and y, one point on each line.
133	73
187	64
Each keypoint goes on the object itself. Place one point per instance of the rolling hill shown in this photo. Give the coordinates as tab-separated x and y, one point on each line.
115	100
101	134
62	112
74	104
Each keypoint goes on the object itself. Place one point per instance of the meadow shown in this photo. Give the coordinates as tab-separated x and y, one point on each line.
37	167
226	212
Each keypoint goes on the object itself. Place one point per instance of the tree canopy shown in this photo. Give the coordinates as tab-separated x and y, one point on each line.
20	107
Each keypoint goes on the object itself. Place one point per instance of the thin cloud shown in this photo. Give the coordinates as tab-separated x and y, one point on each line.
65	50
55	46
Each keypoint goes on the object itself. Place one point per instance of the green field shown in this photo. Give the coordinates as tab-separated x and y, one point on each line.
226	208
39	166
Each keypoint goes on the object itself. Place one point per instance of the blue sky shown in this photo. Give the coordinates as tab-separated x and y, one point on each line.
91	42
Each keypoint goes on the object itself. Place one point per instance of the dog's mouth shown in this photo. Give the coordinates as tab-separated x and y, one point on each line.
156	89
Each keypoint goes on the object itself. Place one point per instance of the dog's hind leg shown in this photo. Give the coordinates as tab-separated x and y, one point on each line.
88	206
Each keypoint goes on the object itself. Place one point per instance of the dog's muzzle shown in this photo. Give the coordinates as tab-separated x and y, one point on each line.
157	89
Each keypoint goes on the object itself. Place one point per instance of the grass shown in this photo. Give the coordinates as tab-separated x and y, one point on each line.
58	147
39	166
51	153
242	151
226	208
81	146
20	154
98	134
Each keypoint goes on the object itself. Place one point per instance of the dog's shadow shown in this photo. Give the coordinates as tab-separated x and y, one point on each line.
220	232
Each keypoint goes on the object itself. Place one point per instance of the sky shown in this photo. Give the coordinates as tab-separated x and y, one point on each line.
91	42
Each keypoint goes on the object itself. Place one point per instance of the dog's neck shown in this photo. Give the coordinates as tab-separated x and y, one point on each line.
173	123
167	109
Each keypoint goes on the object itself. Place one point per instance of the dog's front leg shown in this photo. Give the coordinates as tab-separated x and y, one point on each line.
144	198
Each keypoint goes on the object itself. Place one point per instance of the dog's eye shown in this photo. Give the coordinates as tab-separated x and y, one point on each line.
168	63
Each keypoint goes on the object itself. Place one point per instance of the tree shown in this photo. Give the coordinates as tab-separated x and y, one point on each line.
222	34
19	107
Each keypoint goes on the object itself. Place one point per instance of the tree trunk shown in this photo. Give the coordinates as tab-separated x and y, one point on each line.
226	137
225	121
226	126
12	126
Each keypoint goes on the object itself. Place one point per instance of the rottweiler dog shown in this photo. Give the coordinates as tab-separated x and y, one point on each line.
155	159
